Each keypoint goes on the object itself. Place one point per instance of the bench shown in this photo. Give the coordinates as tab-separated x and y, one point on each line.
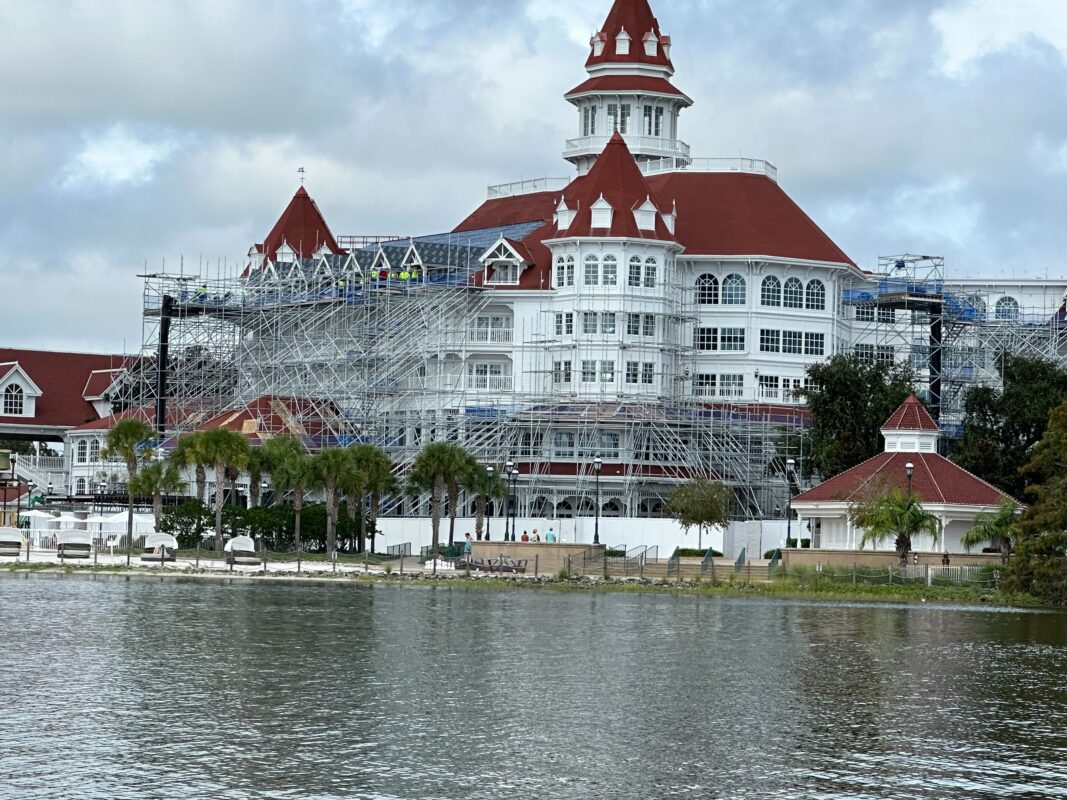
74	550
10	548
151	557
243	558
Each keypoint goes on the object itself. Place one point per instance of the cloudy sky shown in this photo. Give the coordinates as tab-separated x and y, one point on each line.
133	133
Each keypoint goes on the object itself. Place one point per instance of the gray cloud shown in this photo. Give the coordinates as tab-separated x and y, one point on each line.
137	132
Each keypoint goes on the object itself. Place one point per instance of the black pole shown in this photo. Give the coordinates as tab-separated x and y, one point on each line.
162	360
596	523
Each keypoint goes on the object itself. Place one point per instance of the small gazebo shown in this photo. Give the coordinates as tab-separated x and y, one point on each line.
910	461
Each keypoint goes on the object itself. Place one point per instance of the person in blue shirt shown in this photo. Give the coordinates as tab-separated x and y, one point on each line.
550	536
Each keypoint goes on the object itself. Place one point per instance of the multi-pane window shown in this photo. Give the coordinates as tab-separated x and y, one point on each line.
770	341
650	273
607	322
633	324
563	444
708	290
768	387
792	342
592	270
607	372
734	290
865	353
814	344
613	116
561	372
588	371
495	377
619	117
609	270
94	451
885	354
704	385
570	271
732	339
589	322
14	400
815	296
565	324
82	452
633	278
658	130
633	371
589	121
865	313
793	293
646	121
648	325
648	371
706	338
771	291
1007	309
731	385
792	389
887	315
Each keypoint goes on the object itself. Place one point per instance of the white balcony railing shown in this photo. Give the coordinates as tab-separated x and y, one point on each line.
490	383
594	145
491	335
751	166
527	187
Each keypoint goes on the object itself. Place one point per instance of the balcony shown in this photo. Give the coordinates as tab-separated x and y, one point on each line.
749	166
516	188
491	335
490	383
644	145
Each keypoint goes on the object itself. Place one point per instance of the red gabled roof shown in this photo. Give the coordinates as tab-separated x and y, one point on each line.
267	416
616	178
99	382
62	379
911	416
175	416
637	19
734	213
626	83
302	227
935	479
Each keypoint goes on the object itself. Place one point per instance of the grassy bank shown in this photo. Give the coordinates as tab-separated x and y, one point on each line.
780	588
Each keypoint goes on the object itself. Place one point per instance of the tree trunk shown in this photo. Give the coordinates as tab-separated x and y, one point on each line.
372	523
331	518
298	506
362	526
453	500
479	519
253	492
437	499
201	482
157	508
129	528
220	490
903	546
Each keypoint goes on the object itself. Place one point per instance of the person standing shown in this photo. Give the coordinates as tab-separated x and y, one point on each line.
550	536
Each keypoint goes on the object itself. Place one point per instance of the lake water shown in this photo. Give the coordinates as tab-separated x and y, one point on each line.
147	688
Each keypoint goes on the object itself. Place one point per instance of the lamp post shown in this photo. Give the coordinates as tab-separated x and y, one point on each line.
515	507
789	464
508	467
909	470
489	508
597	464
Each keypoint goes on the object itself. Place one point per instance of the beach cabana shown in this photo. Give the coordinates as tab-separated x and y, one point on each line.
159	547
74	544
241	550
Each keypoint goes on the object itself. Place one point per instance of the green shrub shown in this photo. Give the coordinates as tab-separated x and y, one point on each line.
563	574
693	552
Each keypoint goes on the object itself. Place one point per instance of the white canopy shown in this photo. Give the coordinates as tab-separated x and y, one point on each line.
153	540
98	519
67	518
244	544
74	537
35	514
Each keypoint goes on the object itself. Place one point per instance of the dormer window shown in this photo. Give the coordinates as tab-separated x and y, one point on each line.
622	43
645	216
665	43
285	255
602	214
671	220
564	216
651	43
597	43
503	265
14	404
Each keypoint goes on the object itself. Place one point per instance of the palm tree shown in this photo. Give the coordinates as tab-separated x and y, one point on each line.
483	485
380	482
332	468
371	477
124	442
257	465
355	488
436	465
290	471
898	514
999	528
156	479
225	449
189	452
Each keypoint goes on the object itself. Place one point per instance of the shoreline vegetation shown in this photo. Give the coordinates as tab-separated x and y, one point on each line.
788	588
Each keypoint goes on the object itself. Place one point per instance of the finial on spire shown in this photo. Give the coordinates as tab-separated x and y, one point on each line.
301	173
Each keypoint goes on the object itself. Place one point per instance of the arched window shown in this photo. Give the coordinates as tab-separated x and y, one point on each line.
83	451
708	290
592	270
1007	309
633	276
793	296
815	296
610	273
771	293
13	400
79	486
570	271
94	451
651	267
734	290
561	272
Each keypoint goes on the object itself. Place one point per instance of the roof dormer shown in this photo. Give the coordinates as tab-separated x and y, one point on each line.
603	214
671	219
911	429
645	215
564	215
651	42
622	43
597	42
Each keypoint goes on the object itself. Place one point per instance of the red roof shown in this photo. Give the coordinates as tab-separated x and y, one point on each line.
911	416
734	213
935	479
273	415
302	227
100	381
147	414
637	19
616	178
626	84
63	379
511	211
